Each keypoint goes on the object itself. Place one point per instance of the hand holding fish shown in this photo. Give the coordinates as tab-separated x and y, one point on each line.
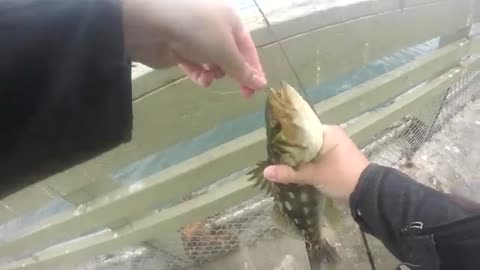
335	173
206	39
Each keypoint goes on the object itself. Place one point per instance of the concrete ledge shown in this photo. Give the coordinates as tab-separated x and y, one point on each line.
384	88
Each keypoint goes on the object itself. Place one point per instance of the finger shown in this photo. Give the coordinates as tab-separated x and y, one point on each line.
207	75
199	74
247	48
206	78
281	174
233	63
192	70
247	91
218	72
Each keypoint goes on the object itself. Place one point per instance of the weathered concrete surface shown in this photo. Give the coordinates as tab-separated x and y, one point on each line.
451	160
287	253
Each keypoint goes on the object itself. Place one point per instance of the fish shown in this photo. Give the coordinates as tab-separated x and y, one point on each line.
294	135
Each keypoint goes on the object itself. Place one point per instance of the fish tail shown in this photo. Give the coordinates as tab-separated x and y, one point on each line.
320	253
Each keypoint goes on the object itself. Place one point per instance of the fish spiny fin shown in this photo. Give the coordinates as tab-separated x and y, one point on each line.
285	223
256	175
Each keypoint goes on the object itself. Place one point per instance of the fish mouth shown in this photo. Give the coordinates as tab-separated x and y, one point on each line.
280	109
280	96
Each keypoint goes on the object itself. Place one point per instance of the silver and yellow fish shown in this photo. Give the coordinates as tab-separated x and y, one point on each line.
295	136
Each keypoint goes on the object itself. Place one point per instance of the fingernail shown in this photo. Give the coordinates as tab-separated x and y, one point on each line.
269	173
258	81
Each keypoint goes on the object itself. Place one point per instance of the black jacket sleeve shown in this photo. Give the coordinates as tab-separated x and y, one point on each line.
391	206
65	89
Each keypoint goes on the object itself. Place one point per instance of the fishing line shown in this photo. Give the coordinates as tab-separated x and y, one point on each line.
302	88
289	63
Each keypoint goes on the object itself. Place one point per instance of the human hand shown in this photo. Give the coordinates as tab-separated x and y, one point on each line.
206	39
336	172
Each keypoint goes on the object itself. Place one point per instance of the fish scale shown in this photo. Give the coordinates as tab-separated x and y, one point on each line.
298	204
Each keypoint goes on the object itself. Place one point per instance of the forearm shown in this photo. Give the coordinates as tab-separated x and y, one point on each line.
385	201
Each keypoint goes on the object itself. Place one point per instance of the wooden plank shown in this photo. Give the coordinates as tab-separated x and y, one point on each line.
17	204
409	3
231	193
201	109
383	88
475	48
145	79
476	11
462	32
228	195
233	156
470	65
6	213
451	37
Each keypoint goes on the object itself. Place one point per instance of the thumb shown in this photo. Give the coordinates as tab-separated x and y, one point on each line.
281	174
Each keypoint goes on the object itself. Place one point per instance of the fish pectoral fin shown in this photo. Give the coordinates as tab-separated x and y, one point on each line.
257	171
285	223
256	175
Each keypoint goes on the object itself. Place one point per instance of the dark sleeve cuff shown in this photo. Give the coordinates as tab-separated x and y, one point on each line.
385	201
364	201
